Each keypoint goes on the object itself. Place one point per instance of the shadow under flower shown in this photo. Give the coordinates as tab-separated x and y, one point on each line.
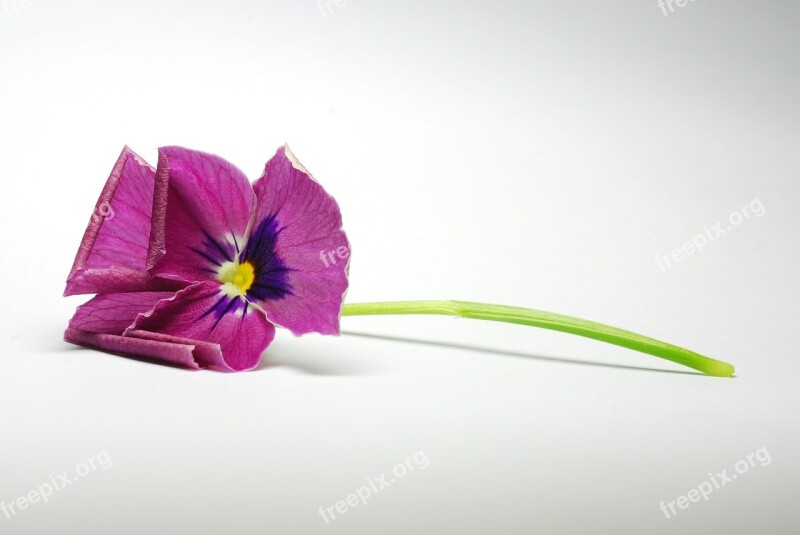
505	353
308	366
135	358
310	362
300	361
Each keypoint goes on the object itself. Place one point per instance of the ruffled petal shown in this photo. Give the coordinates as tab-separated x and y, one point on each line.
209	205
299	249
175	353
117	250
205	354
113	313
204	312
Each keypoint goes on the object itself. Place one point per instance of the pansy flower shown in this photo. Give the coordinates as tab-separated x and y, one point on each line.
198	265
195	266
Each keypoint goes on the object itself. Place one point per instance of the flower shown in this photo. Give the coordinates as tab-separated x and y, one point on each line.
197	265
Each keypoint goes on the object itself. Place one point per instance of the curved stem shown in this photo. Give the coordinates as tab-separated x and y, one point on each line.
547	320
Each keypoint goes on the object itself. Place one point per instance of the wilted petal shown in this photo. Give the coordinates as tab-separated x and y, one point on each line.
299	248
206	354
209	206
204	312
175	353
113	313
116	249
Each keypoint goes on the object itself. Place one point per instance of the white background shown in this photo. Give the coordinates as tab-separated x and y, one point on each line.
531	154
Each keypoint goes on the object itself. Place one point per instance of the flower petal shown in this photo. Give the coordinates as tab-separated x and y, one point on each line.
113	313
117	249
209	205
175	353
302	271
203	311
205	354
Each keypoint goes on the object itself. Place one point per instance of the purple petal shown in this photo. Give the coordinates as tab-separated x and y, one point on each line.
175	353
206	354
302	269
116	249
113	313
209	205
204	312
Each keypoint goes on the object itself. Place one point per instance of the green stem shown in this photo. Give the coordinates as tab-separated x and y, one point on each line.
547	320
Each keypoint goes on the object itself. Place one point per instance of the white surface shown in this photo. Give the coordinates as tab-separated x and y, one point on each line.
532	155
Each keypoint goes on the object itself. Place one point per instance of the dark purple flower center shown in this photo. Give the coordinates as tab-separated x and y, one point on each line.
256	273
270	273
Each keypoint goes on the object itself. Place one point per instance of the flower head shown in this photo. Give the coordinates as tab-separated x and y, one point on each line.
198	265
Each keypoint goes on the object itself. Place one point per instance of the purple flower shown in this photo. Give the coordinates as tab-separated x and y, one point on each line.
197	264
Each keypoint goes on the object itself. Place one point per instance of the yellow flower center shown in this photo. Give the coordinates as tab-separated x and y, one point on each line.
236	278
